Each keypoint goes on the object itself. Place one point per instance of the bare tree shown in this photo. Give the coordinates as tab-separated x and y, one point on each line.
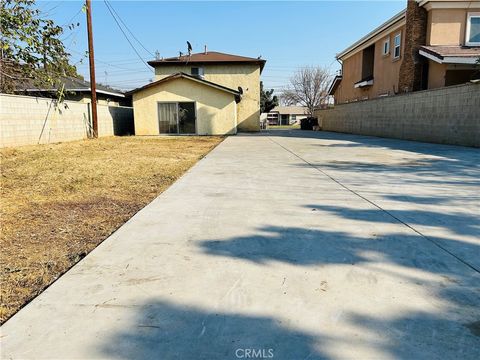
308	87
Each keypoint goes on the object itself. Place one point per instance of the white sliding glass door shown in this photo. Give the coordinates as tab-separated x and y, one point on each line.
176	118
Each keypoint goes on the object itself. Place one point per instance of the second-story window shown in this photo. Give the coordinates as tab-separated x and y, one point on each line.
198	71
473	29
386	46
397	43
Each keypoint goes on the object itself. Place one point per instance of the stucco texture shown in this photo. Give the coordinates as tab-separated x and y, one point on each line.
447	26
232	76
216	109
386	71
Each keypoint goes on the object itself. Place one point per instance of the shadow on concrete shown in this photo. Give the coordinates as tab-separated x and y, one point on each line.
306	247
458	223
424	171
435	167
162	330
413	334
416	199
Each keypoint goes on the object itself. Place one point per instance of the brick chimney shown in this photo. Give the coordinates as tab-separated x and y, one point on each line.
415	36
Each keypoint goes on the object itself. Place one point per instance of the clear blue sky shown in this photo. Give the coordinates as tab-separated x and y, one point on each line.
287	34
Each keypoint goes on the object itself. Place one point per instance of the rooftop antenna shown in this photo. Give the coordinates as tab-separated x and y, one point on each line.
180	54
157	55
189	49
106	77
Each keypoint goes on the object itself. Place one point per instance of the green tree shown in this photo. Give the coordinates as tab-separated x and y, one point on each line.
31	50
267	100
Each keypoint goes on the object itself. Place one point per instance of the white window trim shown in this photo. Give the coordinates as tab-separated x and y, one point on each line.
467	34
386	42
399	35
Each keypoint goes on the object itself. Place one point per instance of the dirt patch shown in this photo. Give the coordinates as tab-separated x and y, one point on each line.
60	201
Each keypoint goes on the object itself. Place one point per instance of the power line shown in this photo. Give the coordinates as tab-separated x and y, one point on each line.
126	27
73	17
125	35
107	63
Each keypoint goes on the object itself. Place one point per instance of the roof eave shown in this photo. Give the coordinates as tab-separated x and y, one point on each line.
398	17
465	60
333	86
185	76
75	90
155	63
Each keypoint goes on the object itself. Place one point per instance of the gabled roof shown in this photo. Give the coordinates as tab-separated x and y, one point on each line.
182	75
207	57
334	85
364	40
72	84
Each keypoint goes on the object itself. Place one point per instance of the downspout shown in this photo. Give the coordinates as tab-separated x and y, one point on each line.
341	65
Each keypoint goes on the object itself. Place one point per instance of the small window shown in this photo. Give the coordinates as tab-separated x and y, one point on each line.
197	71
397	42
473	29
386	47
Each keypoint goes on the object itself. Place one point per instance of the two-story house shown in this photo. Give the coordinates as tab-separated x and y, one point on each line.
208	93
431	44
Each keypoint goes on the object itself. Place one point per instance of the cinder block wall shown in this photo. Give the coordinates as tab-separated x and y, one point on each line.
26	120
449	115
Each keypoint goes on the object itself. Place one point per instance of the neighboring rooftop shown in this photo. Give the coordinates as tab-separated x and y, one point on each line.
207	57
290	110
73	84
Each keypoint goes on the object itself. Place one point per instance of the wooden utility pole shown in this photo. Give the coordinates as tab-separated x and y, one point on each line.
93	84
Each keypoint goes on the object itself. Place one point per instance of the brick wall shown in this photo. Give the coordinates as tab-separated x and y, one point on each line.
450	115
26	120
410	77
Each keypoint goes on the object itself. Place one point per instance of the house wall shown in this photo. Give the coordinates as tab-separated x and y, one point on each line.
28	120
436	74
386	72
101	99
447	26
232	76
216	109
450	115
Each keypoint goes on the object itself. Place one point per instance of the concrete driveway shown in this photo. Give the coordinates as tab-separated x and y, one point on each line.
283	245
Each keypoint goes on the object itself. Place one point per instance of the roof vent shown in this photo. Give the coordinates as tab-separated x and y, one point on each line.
205	51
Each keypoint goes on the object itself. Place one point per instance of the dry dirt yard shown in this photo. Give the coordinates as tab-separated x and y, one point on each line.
60	201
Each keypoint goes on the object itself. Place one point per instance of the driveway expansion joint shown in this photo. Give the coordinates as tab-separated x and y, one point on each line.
316	167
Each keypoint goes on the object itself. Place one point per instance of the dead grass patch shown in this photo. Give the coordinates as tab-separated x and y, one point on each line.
60	201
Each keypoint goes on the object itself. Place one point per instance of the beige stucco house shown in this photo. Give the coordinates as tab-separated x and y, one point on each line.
207	93
431	44
286	115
